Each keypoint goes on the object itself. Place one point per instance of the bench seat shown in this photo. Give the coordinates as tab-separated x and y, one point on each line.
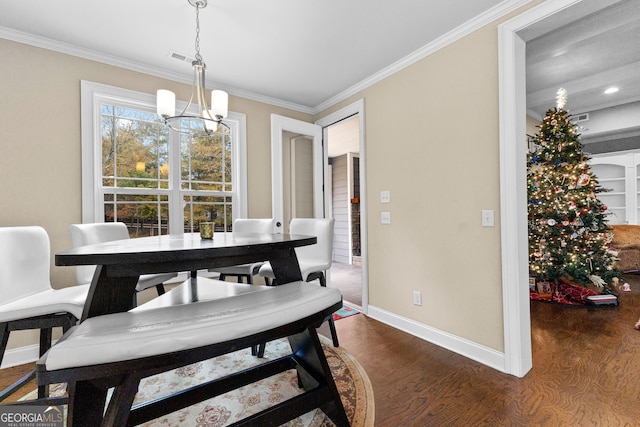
142	333
118	350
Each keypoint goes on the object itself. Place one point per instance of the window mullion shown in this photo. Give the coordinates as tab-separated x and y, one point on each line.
136	188
176	202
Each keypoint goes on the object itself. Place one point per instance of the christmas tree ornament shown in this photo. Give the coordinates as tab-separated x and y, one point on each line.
568	231
561	97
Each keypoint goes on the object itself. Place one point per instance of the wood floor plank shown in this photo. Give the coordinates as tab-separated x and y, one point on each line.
585	372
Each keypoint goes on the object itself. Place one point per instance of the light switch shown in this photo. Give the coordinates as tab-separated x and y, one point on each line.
385	217
487	218
385	196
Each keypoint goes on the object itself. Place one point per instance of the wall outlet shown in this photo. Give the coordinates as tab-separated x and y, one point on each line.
385	196
417	298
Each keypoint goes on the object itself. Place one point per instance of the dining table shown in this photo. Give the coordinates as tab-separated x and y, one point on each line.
118	267
120	263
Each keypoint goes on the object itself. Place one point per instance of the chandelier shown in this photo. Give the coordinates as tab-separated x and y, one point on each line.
207	120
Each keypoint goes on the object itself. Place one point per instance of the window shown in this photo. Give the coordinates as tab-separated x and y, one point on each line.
157	181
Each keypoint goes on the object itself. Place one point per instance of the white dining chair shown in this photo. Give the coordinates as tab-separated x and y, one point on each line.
246	271
314	260
27	299
100	232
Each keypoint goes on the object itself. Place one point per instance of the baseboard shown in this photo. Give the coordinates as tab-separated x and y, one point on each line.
20	356
464	347
482	354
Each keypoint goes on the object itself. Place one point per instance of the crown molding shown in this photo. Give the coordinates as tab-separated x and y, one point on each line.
463	30
69	49
441	42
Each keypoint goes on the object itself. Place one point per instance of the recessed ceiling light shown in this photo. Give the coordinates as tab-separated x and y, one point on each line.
610	90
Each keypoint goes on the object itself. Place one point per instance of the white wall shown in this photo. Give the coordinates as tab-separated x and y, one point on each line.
341	206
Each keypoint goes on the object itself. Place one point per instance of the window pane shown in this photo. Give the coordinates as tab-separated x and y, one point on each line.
145	215
207	209
206	163
135	149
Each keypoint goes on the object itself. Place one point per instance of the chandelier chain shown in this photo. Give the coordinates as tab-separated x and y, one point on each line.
198	56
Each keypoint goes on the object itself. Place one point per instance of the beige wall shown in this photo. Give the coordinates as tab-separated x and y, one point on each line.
40	141
431	139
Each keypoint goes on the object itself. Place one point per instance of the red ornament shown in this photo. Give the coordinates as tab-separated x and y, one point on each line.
603	208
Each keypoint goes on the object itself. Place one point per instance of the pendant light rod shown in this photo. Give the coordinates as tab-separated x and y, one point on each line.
209	119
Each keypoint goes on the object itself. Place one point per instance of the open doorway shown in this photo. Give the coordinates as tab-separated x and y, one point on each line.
343	151
514	36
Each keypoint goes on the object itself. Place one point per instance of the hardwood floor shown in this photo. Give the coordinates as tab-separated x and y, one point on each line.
585	372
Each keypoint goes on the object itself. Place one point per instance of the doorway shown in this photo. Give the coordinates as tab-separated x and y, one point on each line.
513	36
343	151
358	274
285	129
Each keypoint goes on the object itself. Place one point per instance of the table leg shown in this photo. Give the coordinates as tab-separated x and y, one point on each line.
286	268
313	366
109	294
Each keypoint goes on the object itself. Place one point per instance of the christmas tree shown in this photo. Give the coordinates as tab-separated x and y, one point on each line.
569	236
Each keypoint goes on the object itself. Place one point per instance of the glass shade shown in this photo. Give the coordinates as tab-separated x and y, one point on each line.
219	103
166	103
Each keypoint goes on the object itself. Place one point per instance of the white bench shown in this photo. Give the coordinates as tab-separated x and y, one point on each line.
118	350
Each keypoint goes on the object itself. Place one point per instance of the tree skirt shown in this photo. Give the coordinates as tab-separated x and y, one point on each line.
351	380
566	293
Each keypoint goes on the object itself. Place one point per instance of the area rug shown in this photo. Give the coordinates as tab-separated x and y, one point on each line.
351	380
345	311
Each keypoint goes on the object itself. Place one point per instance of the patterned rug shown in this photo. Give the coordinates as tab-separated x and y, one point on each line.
345	311
351	380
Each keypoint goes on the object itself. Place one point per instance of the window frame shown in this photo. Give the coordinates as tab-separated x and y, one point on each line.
92	96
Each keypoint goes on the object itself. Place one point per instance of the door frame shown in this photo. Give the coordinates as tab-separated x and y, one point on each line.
518	358
356	107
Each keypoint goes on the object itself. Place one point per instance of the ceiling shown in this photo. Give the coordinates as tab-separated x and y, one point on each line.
585	49
301	52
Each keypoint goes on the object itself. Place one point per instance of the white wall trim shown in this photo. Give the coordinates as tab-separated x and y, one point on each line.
479	353
92	94
441	42
354	108
92	55
20	355
468	27
513	192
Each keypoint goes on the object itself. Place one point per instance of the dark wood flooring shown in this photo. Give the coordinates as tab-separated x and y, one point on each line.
586	372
